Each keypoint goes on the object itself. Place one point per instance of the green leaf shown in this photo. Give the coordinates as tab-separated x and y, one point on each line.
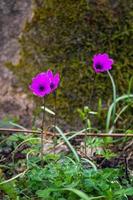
129	131
9	189
122	192
45	193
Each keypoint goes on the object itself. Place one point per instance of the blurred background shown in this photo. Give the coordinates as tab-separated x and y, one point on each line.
64	35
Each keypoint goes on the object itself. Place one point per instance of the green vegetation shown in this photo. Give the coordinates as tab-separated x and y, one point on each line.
61	177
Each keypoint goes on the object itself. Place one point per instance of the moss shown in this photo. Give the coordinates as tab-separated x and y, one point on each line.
64	35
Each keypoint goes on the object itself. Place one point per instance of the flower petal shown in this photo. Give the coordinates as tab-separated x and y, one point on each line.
103	61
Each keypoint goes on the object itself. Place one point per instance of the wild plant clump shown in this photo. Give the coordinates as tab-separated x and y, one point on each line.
33	169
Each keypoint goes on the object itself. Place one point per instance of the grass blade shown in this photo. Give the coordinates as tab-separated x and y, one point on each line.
46	192
121	98
68	143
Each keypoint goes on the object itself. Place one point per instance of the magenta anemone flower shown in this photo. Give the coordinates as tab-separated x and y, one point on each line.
102	62
40	85
53	79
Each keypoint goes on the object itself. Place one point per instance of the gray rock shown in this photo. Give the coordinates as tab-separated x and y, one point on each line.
13	102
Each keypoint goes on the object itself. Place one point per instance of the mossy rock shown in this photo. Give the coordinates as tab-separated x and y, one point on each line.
64	35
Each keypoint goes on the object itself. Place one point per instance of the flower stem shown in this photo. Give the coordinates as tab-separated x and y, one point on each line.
114	96
55	119
85	138
85	145
55	102
42	132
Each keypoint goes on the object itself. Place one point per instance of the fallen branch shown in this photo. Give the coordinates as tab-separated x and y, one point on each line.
81	134
11	130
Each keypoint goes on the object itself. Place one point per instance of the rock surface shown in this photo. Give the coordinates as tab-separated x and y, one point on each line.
13	102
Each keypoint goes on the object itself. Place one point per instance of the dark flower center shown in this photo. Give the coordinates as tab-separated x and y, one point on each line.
52	86
99	66
41	88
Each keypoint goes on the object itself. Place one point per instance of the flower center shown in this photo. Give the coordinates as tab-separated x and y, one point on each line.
41	88
52	86
99	66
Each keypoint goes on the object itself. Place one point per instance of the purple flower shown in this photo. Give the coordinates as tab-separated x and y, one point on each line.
40	85
102	62
53	79
44	83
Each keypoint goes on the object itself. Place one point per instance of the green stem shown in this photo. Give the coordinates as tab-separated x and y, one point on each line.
85	144
114	95
55	120
88	127
42	132
55	102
